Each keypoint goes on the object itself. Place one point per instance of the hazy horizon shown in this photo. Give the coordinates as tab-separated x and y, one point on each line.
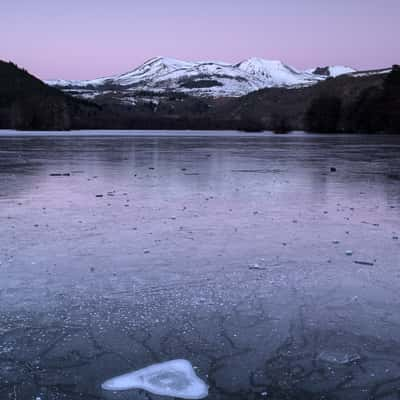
71	40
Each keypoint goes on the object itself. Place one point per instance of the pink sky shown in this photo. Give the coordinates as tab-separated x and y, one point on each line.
91	38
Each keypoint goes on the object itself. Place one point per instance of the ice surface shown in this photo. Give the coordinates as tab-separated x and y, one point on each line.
218	303
175	378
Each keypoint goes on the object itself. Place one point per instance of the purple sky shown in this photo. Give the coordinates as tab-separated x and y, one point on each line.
77	39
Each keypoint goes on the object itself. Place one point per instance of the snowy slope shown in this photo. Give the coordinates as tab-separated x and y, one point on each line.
202	78
331	71
338	70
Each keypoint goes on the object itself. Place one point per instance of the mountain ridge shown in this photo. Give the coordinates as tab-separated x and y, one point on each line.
201	78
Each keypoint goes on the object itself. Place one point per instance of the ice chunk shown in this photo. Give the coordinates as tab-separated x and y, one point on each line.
336	357
175	378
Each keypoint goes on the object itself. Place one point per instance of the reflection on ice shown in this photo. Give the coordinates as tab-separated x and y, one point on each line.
173	378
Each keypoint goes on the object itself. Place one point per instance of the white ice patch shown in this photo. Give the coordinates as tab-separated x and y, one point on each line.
175	378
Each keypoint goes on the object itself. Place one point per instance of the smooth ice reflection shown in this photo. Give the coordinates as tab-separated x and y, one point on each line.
173	378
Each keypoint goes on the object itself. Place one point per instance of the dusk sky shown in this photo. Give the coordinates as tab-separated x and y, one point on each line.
79	39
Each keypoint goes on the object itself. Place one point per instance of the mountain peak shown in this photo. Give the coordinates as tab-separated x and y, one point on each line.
260	60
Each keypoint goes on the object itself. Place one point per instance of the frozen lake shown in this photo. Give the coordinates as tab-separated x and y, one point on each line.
270	262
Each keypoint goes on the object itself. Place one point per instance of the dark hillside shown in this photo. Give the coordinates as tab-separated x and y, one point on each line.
370	109
334	105
26	103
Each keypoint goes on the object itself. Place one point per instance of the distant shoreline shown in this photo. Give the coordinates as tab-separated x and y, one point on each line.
171	133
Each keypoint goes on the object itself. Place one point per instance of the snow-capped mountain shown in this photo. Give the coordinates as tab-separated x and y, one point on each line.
202	78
